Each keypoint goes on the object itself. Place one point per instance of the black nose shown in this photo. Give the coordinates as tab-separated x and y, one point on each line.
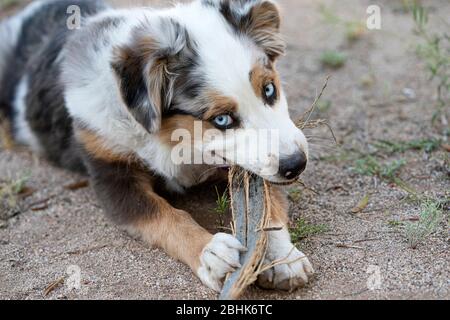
292	166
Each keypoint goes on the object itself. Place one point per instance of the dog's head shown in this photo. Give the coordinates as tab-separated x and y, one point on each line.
213	62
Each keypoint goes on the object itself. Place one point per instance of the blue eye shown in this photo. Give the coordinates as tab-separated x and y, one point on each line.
269	91
224	121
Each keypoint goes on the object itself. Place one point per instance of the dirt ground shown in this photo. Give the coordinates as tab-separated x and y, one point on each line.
382	92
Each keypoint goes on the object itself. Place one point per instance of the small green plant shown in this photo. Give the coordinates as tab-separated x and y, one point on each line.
405	5
295	194
434	49
10	190
329	16
430	217
222	206
333	59
370	166
354	30
303	230
395	223
343	155
426	145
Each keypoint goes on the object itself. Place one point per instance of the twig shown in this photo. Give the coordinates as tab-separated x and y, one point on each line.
305	121
333	188
345	246
367	240
306	117
272	229
446	147
26	192
82	251
278	262
321	122
225	229
77	185
52	286
40	208
308	188
39	202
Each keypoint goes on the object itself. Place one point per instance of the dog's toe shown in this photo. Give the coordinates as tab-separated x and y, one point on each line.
219	257
291	275
265	280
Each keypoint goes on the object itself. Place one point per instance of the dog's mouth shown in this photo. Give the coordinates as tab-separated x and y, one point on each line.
287	183
227	167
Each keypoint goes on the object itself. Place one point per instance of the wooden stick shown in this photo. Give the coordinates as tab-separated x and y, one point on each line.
250	204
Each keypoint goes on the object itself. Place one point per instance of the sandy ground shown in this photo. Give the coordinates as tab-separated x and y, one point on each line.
38	247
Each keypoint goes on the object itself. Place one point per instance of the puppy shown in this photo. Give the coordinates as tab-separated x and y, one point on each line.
107	96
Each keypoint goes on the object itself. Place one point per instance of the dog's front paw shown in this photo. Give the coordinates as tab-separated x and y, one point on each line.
220	257
293	272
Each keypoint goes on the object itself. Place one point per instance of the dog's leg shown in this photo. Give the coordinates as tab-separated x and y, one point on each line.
125	188
294	268
210	257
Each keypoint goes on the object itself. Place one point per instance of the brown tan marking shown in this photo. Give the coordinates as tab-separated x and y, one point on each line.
146	95
265	29
173	230
262	24
260	76
126	190
176	232
135	56
219	105
185	122
280	207
266	16
215	105
96	147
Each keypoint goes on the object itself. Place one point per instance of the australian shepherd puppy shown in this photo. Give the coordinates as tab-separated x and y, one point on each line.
107	95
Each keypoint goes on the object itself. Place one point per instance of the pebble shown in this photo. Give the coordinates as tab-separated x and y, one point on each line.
409	93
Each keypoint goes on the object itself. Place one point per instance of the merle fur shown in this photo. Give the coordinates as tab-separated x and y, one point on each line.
182	83
35	56
119	186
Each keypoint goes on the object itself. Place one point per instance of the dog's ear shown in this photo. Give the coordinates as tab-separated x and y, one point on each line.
143	69
259	19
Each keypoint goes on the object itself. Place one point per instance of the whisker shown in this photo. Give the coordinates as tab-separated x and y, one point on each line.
319	138
315	145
